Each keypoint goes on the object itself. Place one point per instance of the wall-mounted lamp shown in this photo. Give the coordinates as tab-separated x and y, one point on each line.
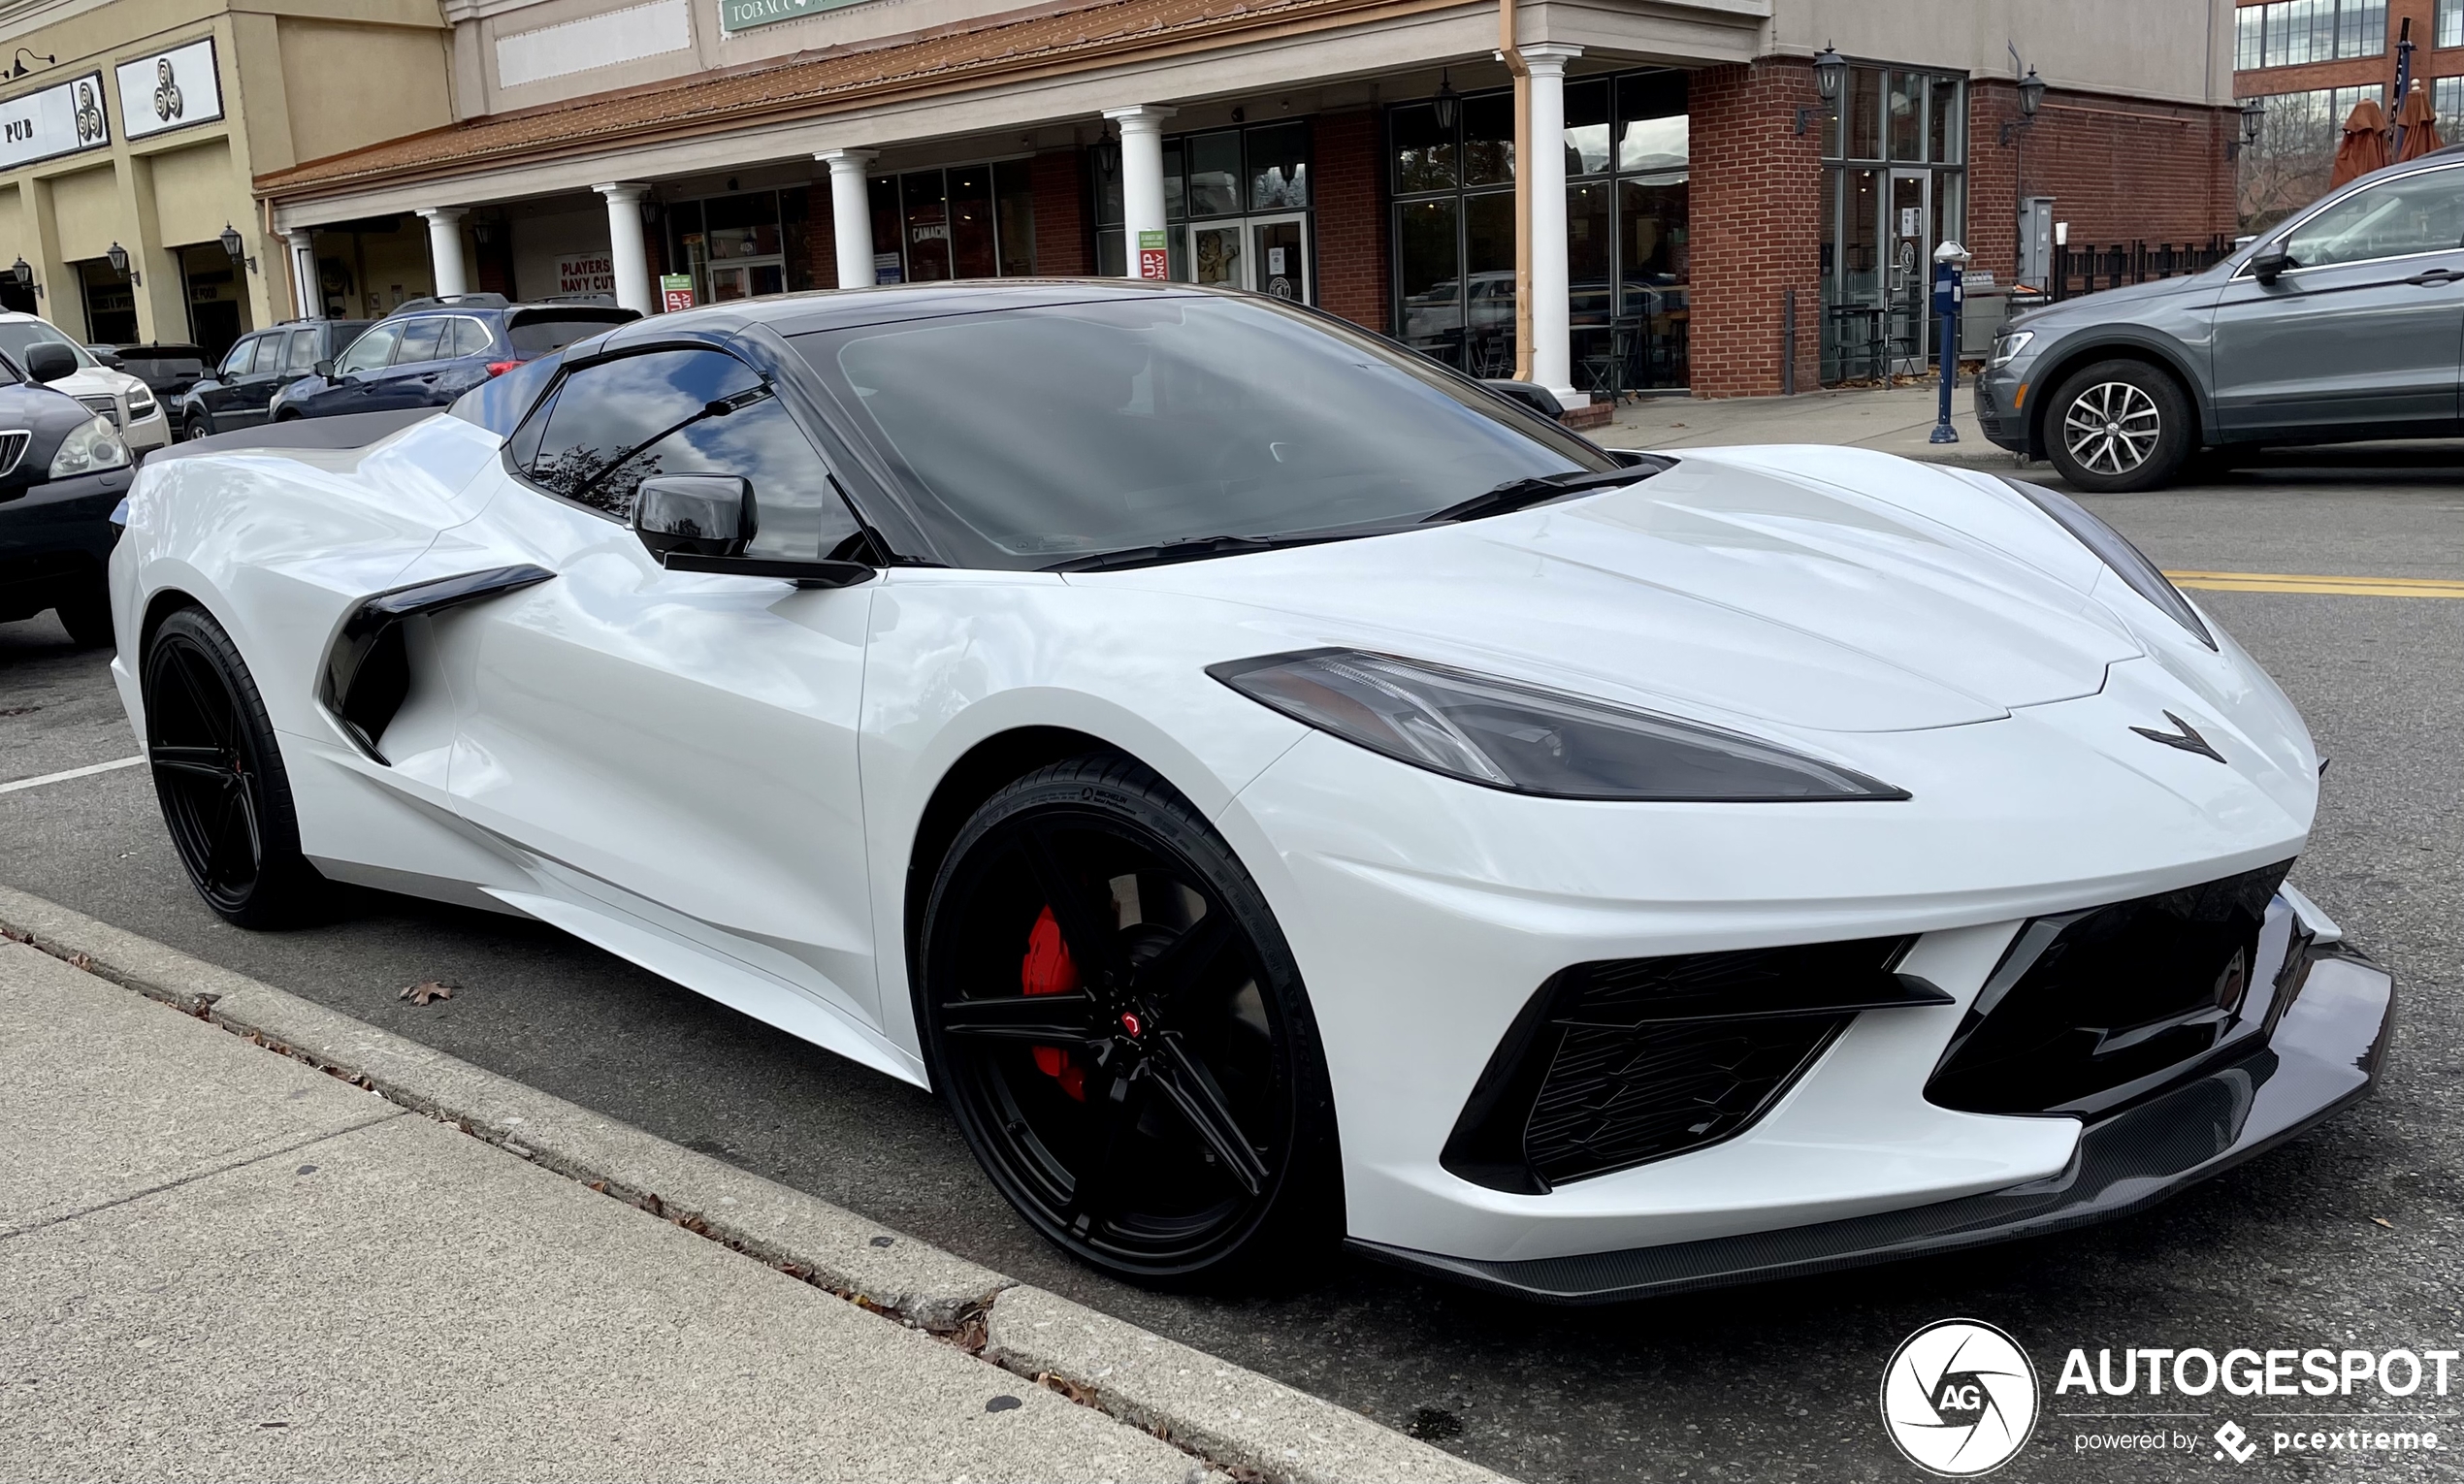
1830	75
19	68
481	231
1450	103
1108	157
2032	97
238	249
118	257
2253	116
23	271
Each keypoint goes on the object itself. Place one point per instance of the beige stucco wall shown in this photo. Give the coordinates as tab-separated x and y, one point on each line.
299	78
2172	50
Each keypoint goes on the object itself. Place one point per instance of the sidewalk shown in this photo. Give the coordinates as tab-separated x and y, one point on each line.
244	1236
216	1262
1894	419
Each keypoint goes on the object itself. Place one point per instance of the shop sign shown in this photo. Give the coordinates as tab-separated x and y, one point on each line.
1153	262
675	292
745	15
169	90
585	273
887	269
60	119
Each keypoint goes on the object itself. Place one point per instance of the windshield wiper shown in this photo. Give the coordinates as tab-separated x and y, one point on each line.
1517	494
1192	549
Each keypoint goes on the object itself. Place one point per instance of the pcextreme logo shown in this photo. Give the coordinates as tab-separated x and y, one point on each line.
1958	1397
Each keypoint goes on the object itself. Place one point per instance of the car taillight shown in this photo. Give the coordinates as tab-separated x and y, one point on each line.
499	368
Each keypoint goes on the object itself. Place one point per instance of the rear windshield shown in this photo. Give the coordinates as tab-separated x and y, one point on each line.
1024	436
537	331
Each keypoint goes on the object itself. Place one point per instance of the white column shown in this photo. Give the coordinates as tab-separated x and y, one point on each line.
444	249
851	214
1552	364
628	256
1142	186
298	250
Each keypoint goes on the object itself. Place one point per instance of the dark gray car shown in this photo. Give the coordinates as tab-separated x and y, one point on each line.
2343	323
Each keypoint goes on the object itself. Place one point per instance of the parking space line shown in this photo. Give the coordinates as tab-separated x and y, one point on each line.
84	772
2295	582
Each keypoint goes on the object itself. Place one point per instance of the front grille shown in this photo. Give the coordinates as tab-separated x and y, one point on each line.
1617	1063
2091	1009
109	406
13	446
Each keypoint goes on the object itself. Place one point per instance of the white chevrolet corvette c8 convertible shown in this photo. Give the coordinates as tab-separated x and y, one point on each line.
1277	790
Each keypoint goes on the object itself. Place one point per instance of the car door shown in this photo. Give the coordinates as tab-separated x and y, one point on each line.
2364	327
252	390
299	355
678	752
406	382
348	390
216	394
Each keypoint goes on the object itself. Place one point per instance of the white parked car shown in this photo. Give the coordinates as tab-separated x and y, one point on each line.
126	401
1276	788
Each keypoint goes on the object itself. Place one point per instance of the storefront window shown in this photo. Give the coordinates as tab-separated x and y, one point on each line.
1236	209
968	222
1626	204
738	246
1894	193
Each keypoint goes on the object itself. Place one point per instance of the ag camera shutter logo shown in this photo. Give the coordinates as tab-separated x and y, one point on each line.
1960	1397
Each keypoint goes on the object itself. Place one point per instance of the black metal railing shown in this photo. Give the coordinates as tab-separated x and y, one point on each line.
2084	269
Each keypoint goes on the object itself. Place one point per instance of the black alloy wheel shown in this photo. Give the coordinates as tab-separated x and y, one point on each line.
219	777
1122	1031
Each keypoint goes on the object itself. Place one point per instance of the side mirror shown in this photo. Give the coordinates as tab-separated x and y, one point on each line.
697	515
324	371
50	361
2269	265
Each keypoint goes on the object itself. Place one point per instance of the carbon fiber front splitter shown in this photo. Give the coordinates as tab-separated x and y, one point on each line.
2324	1055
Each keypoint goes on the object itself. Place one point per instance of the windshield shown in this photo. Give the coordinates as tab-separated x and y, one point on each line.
538	332
1028	436
19	335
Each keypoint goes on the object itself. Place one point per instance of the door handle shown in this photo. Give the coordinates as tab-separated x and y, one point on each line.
2435	276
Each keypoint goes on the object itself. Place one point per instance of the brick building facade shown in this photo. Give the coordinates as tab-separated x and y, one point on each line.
1357	153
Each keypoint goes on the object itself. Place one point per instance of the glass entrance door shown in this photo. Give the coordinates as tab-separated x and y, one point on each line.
1908	229
744	280
1279	257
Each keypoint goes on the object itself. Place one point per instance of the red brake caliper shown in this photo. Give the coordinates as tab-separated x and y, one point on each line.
1050	970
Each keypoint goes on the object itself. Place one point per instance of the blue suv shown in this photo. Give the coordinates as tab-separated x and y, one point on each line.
431	351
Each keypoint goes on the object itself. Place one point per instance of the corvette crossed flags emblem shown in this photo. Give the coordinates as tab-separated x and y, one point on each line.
2186	737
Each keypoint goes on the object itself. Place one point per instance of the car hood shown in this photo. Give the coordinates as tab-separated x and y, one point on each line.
98	381
2117	303
1749	583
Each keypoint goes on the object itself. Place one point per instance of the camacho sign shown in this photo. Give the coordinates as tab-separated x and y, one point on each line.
745	15
60	119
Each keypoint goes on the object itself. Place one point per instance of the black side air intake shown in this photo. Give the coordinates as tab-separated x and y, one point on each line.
1617	1063
368	671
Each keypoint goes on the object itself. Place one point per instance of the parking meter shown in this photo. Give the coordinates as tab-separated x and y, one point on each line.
1950	260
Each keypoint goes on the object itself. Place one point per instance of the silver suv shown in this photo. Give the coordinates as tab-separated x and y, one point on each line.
2345	322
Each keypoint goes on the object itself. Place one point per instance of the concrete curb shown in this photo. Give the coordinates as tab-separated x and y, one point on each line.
1230	1417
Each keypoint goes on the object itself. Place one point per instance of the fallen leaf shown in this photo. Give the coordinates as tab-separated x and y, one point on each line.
2383	1222
427	990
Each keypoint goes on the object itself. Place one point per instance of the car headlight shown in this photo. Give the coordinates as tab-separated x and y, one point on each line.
89	450
2006	347
2127	562
141	403
1529	740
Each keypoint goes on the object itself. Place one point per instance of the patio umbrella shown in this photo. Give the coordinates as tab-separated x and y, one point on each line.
2420	123
2365	144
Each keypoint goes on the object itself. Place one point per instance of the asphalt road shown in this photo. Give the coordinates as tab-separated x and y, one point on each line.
1775	1382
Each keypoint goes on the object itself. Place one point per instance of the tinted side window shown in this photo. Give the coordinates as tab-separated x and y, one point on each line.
269	358
419	340
303	350
470	337
237	361
613	425
369	351
2409	215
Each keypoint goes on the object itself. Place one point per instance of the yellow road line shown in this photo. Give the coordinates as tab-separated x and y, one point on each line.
2294	582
